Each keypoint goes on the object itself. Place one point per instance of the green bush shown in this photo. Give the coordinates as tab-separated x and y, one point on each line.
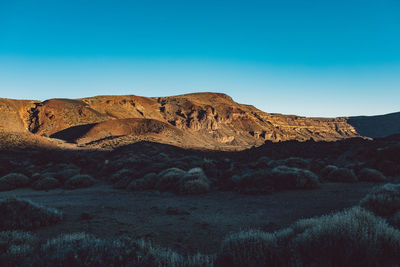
371	175
342	175
383	200
13	181
80	181
294	178
354	237
20	214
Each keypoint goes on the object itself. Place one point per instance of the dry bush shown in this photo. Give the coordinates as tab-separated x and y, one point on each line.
351	238
123	182
327	170
80	181
85	250
371	175
342	175
294	178
383	200
65	174
15	246
147	182
12	181
354	237
170	179
194	182
254	248
24	214
254	182
46	183
293	162
121	174
261	163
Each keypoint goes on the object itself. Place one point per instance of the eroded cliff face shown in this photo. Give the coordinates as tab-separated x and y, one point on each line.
208	120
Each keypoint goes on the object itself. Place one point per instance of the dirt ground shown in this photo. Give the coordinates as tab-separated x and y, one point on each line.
187	224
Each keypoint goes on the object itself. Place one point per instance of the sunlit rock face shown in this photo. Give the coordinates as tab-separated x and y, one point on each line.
199	120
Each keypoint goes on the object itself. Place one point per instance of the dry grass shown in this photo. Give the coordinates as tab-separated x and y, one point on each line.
383	200
354	237
20	214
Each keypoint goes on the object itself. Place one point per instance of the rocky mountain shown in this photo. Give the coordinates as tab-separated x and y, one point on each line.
376	126
198	120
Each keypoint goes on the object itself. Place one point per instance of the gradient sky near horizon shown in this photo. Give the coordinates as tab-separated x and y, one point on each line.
310	57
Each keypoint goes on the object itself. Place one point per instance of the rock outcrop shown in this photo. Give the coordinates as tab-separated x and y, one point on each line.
199	120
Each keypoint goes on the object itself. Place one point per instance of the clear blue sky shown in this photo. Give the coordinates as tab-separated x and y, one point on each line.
313	58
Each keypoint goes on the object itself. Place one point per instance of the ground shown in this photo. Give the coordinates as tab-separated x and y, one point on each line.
187	224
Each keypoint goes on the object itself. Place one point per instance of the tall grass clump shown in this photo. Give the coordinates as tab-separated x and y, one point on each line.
81	249
354	237
371	175
15	246
20	214
294	178
13	181
383	200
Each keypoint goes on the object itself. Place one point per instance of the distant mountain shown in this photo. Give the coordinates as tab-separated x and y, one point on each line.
198	120
376	126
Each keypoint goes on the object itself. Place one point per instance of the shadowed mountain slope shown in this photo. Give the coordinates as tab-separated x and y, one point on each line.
376	126
199	120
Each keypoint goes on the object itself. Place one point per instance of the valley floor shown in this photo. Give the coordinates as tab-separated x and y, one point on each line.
187	224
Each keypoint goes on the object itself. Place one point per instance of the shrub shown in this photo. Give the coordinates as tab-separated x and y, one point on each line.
293	162
354	237
123	182
394	220
317	165
147	182
15	246
194	182
13	180
65	174
327	170
121	174
255	182
80	181
293	178
342	175
254	248
170	179
371	175
86	250
261	163
24	214
383	200
46	183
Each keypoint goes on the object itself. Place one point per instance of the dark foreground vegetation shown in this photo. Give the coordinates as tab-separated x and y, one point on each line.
354	237
365	235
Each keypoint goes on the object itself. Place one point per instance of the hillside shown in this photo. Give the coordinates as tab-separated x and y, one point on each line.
199	120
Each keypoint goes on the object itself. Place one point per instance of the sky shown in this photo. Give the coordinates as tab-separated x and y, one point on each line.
310	57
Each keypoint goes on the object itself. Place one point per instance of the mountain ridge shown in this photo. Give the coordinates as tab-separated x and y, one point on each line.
198	120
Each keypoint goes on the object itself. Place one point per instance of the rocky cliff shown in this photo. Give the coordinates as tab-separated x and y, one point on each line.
201	120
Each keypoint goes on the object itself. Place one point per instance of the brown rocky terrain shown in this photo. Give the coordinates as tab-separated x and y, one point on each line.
199	120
